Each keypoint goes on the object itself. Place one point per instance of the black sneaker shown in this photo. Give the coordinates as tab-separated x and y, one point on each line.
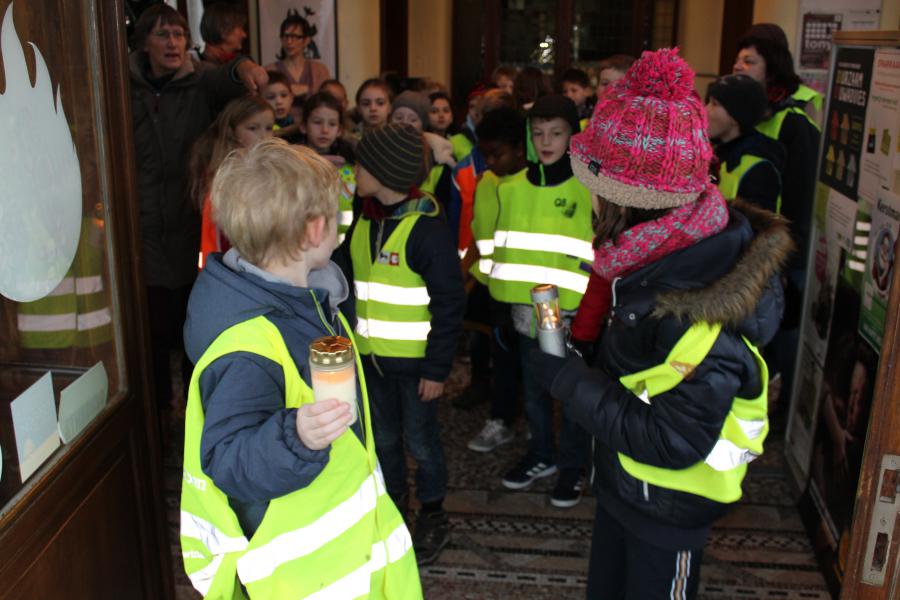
431	535
527	472
567	491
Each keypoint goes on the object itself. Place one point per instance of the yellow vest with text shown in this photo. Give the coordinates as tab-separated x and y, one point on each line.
720	475
339	537
345	202
543	235
77	312
730	181
392	316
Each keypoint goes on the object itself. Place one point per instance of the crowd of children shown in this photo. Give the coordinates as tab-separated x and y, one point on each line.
410	222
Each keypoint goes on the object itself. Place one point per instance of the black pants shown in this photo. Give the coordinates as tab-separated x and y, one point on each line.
167	308
624	567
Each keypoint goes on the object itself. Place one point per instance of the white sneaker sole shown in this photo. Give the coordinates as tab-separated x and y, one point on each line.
564	503
516	485
477	448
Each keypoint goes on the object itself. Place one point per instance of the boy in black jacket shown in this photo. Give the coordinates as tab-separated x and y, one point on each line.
409	308
750	163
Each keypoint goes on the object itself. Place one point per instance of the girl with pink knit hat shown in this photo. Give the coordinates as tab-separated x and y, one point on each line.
687	289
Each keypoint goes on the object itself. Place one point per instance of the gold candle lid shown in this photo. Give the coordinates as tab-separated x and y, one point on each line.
331	350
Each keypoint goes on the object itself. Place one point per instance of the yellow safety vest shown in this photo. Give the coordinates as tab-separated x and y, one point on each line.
771	127
392	316
543	235
719	476
484	222
339	537
730	181
345	203
77	312
462	146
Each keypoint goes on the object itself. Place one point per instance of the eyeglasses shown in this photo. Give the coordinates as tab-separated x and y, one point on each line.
165	34
293	36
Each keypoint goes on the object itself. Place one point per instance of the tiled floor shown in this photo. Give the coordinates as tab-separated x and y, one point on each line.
515	545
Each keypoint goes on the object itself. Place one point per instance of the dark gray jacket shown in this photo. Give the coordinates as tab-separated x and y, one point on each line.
730	278
167	120
249	447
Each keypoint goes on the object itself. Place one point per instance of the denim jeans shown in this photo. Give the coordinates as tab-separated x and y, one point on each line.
398	416
573	440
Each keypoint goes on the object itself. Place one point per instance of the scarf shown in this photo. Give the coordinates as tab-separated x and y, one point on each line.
641	245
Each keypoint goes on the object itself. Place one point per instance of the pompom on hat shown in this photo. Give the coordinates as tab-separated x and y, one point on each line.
646	145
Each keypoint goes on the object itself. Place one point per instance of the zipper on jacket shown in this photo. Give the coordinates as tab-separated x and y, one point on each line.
646	491
593	461
612	310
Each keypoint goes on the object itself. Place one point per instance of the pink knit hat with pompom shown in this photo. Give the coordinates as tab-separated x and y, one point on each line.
646	145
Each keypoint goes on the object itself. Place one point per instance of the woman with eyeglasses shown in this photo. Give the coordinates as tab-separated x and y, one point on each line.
305	75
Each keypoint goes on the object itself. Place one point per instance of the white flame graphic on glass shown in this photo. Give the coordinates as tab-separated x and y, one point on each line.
40	194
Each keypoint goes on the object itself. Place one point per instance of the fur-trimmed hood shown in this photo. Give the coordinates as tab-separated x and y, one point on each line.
730	278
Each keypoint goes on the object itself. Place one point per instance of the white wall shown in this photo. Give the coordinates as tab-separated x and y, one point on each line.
359	43
699	38
429	39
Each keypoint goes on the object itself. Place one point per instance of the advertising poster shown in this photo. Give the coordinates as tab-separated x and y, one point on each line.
318	13
845	121
881	156
818	20
879	267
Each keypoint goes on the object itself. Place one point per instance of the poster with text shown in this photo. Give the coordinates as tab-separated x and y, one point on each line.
881	156
319	14
879	267
845	121
818	20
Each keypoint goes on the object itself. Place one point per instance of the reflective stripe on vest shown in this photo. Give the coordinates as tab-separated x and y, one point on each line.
309	539
77	312
345	202
391	299
484	223
730	181
719	476
543	235
771	127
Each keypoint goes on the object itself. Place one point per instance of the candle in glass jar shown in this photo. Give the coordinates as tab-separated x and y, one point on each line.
333	371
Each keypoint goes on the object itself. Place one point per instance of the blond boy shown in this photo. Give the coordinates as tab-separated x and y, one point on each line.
265	467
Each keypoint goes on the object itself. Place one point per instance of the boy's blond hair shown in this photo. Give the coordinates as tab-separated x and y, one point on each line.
263	197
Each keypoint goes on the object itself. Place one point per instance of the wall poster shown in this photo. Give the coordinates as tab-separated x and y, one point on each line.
320	14
818	20
855	228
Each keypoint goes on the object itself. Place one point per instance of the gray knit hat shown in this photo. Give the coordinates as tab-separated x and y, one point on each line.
415	101
395	156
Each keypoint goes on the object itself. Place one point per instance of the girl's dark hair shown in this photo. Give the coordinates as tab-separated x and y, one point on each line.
293	19
614	219
320	99
530	84
164	15
440	96
220	18
771	43
374	82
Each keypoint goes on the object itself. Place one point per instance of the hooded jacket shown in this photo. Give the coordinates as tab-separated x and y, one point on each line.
168	116
249	446
731	278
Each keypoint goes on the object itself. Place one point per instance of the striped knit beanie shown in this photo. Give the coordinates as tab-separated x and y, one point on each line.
646	145
395	156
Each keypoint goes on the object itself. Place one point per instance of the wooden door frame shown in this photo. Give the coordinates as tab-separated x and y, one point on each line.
883	435
131	423
394	17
